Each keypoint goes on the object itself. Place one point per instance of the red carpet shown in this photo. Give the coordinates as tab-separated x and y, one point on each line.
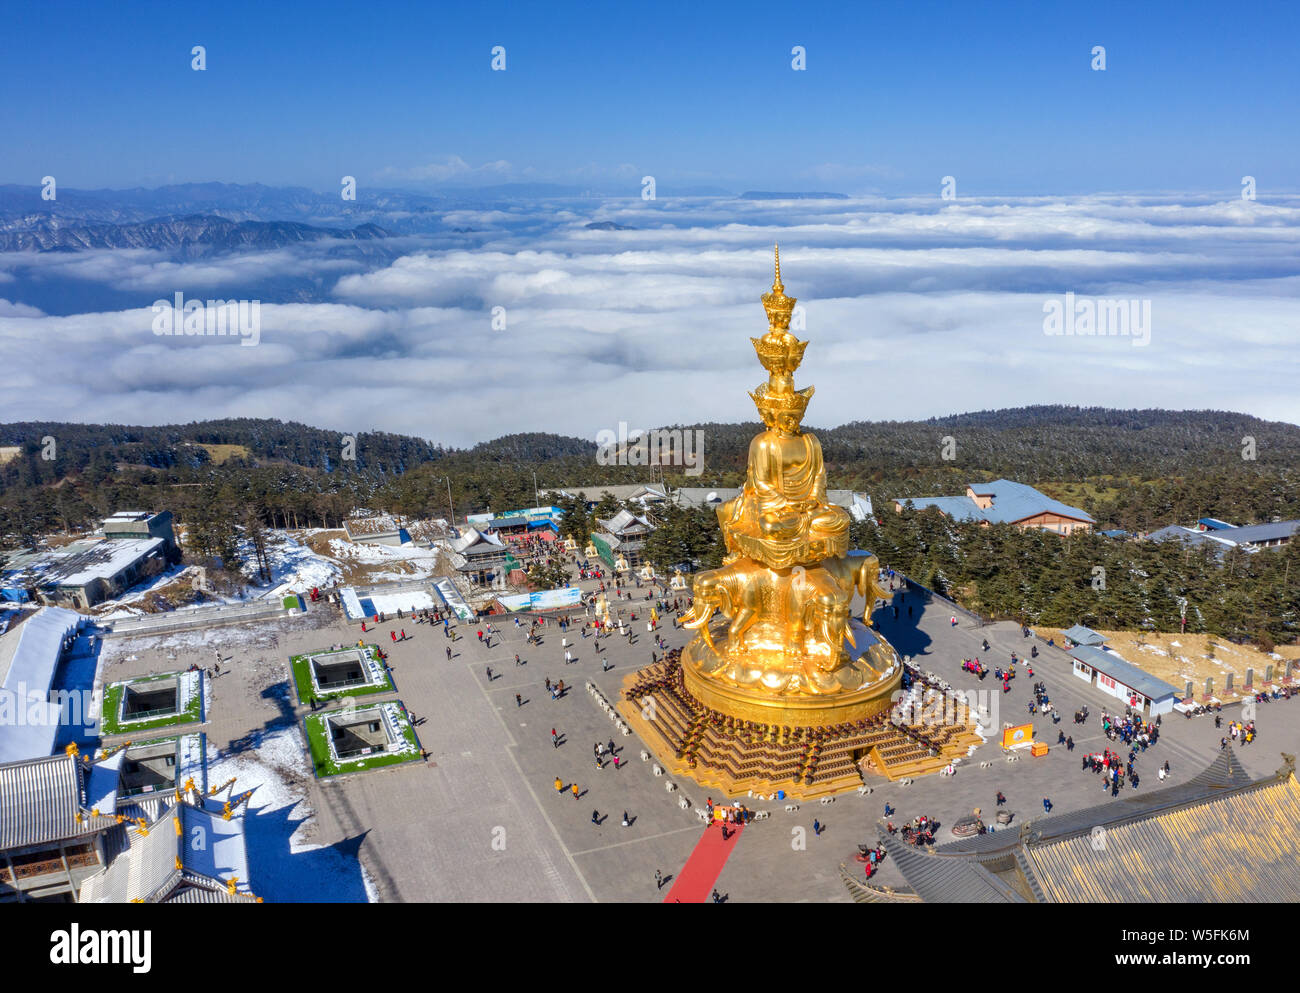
694	884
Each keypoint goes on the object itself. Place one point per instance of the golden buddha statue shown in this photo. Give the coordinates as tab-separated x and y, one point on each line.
786	583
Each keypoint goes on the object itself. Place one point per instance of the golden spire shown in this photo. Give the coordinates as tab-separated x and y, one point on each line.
778	306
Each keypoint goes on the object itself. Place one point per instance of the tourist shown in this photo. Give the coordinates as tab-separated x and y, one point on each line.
448	653
517	661
559	785
817	829
489	673
625	822
519	700
555	739
393	635
595	817
574	789
1047	805
659	876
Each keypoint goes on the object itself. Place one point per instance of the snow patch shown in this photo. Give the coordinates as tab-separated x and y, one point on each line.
280	816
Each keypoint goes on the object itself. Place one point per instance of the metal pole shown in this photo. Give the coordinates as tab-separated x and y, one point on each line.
450	505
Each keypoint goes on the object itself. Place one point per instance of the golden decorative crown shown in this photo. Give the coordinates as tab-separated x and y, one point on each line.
771	402
777	304
779	351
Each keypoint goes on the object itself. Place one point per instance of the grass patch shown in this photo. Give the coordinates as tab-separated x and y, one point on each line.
300	666
220	453
323	762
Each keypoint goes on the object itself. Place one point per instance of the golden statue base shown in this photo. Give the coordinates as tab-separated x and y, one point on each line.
859	689
733	755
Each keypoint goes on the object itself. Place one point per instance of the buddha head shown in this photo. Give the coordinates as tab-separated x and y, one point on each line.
782	411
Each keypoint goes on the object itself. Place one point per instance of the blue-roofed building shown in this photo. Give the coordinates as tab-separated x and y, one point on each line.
1080	635
1213	524
1005	502
1250	538
1115	675
1114	533
1176	532
1254	536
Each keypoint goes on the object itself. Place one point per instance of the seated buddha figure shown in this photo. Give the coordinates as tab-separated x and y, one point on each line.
781	518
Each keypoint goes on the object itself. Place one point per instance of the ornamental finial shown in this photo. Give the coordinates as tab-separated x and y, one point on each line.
776	283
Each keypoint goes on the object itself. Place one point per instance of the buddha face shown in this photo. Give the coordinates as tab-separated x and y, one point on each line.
785	422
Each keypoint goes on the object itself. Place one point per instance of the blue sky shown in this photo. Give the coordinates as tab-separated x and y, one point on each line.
895	96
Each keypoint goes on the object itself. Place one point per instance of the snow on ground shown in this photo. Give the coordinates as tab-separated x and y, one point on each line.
284	867
420	563
294	566
129	604
188	684
1152	649
389	604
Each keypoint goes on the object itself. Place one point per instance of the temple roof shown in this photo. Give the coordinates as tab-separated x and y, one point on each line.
1219	838
41	799
162	867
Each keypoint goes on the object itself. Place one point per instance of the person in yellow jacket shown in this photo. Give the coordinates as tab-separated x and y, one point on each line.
559	785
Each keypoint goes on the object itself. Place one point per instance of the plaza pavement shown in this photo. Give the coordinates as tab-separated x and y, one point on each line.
481	820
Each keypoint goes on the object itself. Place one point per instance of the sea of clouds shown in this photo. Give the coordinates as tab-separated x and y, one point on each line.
532	321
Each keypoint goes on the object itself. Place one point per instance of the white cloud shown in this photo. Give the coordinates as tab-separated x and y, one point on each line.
914	308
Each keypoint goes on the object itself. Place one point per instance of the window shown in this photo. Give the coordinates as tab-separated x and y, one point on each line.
171	760
374	726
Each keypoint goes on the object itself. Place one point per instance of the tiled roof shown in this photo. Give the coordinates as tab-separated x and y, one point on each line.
40	800
1175	532
1259	532
1211	852
148	870
1219	837
1084	636
1012	502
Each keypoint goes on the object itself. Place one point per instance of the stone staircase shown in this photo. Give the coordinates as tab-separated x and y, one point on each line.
737	757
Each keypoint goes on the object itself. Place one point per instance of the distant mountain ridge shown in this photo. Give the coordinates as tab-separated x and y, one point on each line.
48	233
766	195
